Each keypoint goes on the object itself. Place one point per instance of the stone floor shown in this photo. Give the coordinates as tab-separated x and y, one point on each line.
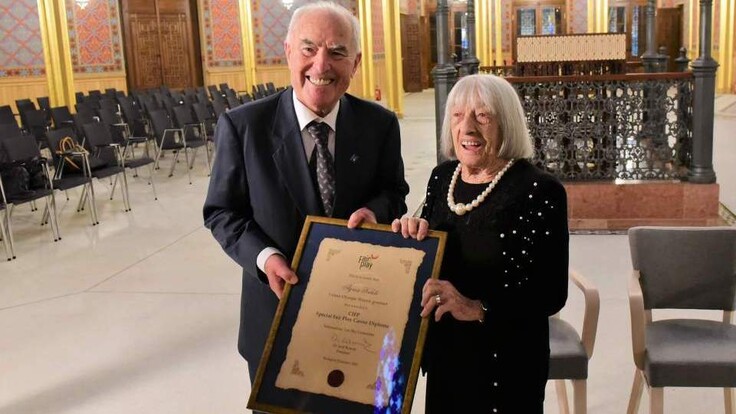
140	313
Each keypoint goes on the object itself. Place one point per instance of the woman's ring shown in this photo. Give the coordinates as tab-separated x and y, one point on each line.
438	299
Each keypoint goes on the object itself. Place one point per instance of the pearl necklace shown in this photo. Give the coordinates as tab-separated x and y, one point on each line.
461	208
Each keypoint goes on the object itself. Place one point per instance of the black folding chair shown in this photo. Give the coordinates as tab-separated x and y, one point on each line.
6	115
194	133
62	117
119	133
22	152
100	140
72	169
169	138
37	124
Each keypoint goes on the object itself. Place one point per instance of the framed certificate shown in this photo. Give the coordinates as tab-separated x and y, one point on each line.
348	338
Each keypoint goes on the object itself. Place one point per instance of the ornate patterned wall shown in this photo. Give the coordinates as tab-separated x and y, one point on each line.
95	37
222	32
270	23
506	11
21	48
578	17
377	29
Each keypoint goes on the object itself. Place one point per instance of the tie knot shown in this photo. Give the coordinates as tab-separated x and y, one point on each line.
318	131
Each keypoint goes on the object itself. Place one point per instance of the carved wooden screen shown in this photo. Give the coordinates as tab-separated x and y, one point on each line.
175	55
145	68
161	43
411	53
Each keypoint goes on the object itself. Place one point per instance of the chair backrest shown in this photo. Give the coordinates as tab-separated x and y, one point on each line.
85	108
131	112
10	130
20	148
61	116
98	135
214	93
183	115
37	124
219	106
160	121
6	115
685	267
44	102
54	138
202	97
201	112
109	116
233	102
24	104
109	103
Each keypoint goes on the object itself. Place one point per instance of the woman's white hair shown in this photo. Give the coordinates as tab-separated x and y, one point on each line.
333	8
502	101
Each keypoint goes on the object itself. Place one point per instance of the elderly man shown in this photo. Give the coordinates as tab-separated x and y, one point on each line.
311	149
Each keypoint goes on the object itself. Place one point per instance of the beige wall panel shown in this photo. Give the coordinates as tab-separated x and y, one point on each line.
86	83
22	87
379	76
234	77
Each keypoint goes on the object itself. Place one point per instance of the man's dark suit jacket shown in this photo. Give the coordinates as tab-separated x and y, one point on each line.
261	189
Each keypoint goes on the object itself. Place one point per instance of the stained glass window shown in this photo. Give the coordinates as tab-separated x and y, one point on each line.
551	19
635	32
527	22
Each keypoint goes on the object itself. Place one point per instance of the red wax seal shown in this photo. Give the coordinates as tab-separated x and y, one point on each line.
335	378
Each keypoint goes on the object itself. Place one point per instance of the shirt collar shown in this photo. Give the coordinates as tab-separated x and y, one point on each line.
304	115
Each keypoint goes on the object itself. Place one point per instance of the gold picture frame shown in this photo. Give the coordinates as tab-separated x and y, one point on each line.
396	392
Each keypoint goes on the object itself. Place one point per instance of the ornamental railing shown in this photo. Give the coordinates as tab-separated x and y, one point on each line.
626	127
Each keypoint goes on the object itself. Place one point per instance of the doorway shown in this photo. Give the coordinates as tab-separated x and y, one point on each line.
162	44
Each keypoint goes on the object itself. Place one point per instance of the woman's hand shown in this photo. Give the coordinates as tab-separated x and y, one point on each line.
442	296
413	227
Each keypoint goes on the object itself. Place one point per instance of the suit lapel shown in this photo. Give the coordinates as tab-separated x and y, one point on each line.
347	156
290	159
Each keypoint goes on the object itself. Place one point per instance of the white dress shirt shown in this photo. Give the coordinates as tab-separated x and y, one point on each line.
304	116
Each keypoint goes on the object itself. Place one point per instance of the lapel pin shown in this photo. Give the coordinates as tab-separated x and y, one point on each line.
354	158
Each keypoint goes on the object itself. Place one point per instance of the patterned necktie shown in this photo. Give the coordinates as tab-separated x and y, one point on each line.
325	166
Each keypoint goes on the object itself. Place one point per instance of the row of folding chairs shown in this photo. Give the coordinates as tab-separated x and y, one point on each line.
102	143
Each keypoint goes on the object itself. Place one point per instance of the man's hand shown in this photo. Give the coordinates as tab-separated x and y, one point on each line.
361	215
279	273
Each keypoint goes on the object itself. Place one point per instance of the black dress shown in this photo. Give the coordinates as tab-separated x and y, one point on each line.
511	252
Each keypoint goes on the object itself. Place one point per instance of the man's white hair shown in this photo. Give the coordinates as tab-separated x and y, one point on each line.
333	8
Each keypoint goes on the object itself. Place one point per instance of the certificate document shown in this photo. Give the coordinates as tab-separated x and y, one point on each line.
349	329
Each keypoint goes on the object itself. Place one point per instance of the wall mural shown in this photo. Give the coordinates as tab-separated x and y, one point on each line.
377	29
579	17
222	32
21	49
95	37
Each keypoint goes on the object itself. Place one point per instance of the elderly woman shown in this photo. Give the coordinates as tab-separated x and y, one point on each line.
505	264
